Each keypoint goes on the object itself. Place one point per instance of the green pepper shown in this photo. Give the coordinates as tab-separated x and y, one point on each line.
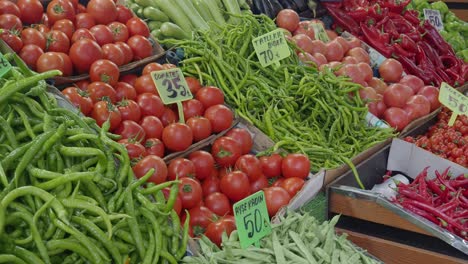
441	6
456	41
463	54
452	26
450	17
423	5
444	34
418	2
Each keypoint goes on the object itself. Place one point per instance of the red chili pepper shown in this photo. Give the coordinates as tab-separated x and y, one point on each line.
434	187
390	28
461	214
412	16
412	68
420	212
454	77
432	55
412	195
407	43
373	37
359	14
343	19
402	25
378	12
433	36
396	6
400	51
414	35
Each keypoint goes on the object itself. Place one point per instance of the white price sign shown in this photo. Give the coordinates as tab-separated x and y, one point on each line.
434	17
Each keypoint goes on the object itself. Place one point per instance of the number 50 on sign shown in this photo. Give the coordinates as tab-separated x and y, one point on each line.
454	100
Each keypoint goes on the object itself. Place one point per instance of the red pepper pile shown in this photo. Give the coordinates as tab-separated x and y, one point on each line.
442	200
393	32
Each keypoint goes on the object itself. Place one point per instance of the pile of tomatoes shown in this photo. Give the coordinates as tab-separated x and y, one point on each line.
212	180
448	142
137	113
70	37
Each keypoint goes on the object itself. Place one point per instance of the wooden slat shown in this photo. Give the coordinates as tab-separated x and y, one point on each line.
370	211
461	13
396	253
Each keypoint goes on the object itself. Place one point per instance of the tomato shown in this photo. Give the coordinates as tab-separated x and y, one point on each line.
60	9
150	104
177	137
178	202
287	19
102	111
243	137
317	46
129	110
150	67
102	34
104	71
334	51
126	50
379	85
190	192
136	26
83	53
278	182
153	126
226	151
292	185
134	148
220	116
209	96
167	66
99	90
259	184
331	34
15	43
119	31
192	108
151	162
8	7
82	33
200	218
80	8
179	168
396	95
308	59
276	197
413	82
57	41
353	72
123	13
271	165
432	94
359	54
295	165
354	42
200	126
306	28
29	54
235	185
377	107
168	116
210	185
303	41
42	28
66	26
145	84
84	20
417	106
82	85
51	61
103	11
10	22
141	47
218	203
366	70
396	118
215	230
154	146
193	84
79	98
33	36
344	44
368	94
112	52
250	165
391	70
131	129
349	60
204	163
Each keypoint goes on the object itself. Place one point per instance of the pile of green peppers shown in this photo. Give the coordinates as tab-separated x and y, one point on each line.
455	30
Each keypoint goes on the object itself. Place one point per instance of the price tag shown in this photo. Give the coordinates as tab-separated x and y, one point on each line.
320	32
434	17
252	219
5	66
171	85
454	100
271	47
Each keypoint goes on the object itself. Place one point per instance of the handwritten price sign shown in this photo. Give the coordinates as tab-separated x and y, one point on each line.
433	16
271	47
5	66
454	100
171	85
252	219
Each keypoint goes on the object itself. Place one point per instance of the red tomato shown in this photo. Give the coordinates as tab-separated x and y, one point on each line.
42	28
150	67
13	41
250	165
225	151
79	98
220	117
303	41
98	90
177	137
317	46
243	137
366	70
215	230
192	108
168	116
396	95
51	61
126	50
67	64
210	185
349	60
178	202
150	104
292	185
66	26
209	96
271	165
379	85
119	31
276	197
136	26
102	111
295	165
359	54
344	43
193	84
368	94
200	126
432	94
154	146
278	182
377	107
151	162
190	192
153	126
129	110
103	11
83	53
218	203
396	118
354	42
131	129
145	84
287	19
60	9
134	148
417	106
308	59
10	22
33	36
58	41
82	33
391	70
8	7
353	72
179	168
305	27
200	218
331	34
204	163
114	53
29	54
259	184
102	34
129	78
84	20
82	85
334	51
235	185
141	47
123	13
412	82
167	66
104	71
